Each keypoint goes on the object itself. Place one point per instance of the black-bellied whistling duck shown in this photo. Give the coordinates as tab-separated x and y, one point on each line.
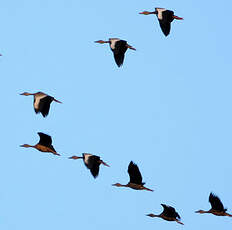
44	144
169	213
119	48
92	162
135	179
217	207
42	102
165	18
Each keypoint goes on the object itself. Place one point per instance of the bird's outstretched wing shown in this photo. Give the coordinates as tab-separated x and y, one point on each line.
45	139
165	22
216	203
170	212
92	162
119	52
134	173
44	105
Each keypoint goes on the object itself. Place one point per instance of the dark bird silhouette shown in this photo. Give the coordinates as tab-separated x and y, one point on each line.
165	18
92	162
44	144
119	48
169	213
42	102
217	207
135	179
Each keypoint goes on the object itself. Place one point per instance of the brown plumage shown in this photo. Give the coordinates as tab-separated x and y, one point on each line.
169	213
119	48
92	162
135	179
217	207
42	102
44	144
165	18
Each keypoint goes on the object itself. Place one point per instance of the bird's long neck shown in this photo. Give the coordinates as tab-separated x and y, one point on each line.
123	185
147	12
120	185
28	146
154	215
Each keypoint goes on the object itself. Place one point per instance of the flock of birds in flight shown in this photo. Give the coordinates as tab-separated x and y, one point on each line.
119	47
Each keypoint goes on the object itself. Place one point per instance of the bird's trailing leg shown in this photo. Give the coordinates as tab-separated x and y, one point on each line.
148	189
177	18
55	153
179	222
227	214
56	100
130	47
104	163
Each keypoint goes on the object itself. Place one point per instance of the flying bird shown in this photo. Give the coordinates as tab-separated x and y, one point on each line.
92	162
42	102
119	48
165	18
169	213
135	178
44	144
217	207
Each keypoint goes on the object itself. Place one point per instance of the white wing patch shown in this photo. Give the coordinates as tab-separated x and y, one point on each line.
86	157
113	42
160	12
37	100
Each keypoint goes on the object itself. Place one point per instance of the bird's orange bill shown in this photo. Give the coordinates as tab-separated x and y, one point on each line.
177	18
104	163
101	41
145	12
74	157
151	215
26	94
57	154
57	101
130	47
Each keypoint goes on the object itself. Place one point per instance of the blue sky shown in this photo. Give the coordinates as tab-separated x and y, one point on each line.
168	109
